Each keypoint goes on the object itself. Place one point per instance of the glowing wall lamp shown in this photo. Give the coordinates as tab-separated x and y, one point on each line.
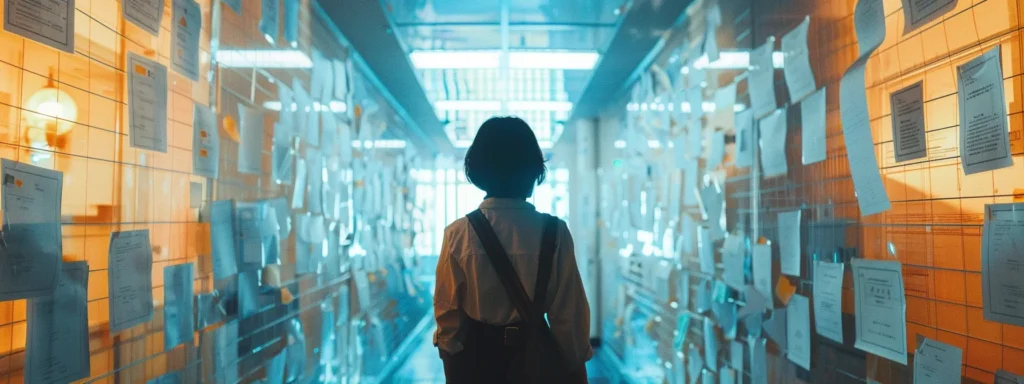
49	115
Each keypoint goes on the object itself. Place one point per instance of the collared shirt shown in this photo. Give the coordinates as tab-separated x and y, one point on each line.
468	285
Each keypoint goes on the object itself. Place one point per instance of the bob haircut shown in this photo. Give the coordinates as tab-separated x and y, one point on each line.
505	159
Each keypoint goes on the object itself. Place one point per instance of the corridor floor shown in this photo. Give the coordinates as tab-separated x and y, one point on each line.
424	366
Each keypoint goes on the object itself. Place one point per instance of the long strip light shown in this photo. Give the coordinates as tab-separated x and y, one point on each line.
491	59
383	144
706	106
335	106
733	60
650	143
494	105
463	144
263	58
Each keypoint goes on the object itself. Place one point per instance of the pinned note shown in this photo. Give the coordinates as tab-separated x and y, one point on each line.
57	344
188	21
908	135
717	150
828	300
30	259
145	14
937	362
798	328
762	79
341	85
250	148
1002	255
917	13
725	101
789	242
314	181
178	320
761	260
813	133
147	104
291	22
205	142
773	144
799	75
745	139
710	345
130	261
706	250
734	260
270	16
984	135
881	309
222	239
758	361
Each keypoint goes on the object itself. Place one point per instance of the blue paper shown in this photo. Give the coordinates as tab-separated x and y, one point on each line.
178	321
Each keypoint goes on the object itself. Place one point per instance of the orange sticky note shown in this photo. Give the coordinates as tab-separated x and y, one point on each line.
202	153
784	289
141	69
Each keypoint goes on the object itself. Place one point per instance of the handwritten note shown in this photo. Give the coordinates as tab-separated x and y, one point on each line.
130	261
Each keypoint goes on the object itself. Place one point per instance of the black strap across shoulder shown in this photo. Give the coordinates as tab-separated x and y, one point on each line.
531	311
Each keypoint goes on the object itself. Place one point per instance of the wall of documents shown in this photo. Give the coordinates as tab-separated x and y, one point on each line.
820	191
191	193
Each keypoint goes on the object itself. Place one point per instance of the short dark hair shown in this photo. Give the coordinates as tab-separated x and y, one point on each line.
505	159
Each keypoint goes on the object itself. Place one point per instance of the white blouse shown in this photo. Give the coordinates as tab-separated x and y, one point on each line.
468	285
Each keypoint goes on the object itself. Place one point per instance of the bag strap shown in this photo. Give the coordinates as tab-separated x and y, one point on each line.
546	263
502	265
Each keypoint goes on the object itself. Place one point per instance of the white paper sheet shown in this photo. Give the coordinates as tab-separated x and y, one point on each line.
270	20
936	362
762	269
345	142
187	22
734	260
291	22
248	294
30	262
1004	377
710	345
706	250
131	282
299	193
147	103
303	108
712	19
145	14
209	310
773	144
222	239
789	242
745	139
225	353
690	177
798	331
205	142
917	13
754	303
178	319
57	344
250	240
195	195
47	22
762	79
869	20
694	363
758	361
881	309
340	80
775	327
725	101
908	135
984	135
695	99
717	150
1002	258
315	181
797	68
828	299
813	133
250	148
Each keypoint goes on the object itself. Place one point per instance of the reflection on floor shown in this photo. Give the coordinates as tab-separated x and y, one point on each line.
424	366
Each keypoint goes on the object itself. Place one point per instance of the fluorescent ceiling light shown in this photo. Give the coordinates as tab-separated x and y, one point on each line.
544	144
733	60
385	144
535	59
707	106
467	105
650	143
572	60
264	58
455	59
553	106
335	105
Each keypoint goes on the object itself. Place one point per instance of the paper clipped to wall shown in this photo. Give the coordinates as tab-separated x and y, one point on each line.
797	67
745	139
773	144
187	22
798	331
147	103
250	147
145	14
828	299
205	142
57	28
789	242
761	259
869	18
1002	259
179	327
57	344
936	362
881	309
909	140
131	279
30	260
270	19
984	136
762	79
813	133
917	13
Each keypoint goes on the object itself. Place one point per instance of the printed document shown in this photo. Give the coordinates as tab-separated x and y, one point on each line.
725	100
762	79
797	62
1002	263
936	362
717	150
798	331
30	261
908	135
758	361
773	144
57	345
812	127
250	148
47	22
147	103
762	266
828	299
178	319
707	251
984	136
222	239
187	22
131	281
920	12
205	142
789	242
734	258
881	309
270	16
745	139
145	14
